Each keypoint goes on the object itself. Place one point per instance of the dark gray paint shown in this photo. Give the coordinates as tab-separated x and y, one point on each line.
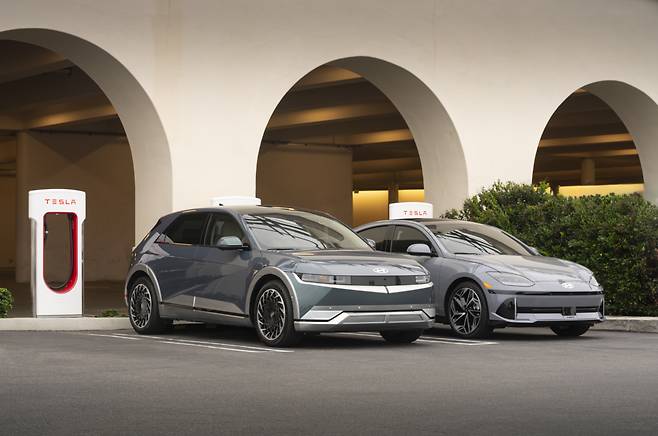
206	283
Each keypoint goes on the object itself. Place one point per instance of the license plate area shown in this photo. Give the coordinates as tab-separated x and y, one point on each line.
569	311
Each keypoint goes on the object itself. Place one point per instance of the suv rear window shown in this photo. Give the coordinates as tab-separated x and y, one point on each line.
186	229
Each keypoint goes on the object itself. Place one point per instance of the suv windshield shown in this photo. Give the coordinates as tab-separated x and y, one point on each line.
471	238
300	230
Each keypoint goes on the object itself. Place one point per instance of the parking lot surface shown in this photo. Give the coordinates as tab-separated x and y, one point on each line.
198	380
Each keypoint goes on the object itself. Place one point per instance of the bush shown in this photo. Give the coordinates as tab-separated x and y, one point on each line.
613	235
6	302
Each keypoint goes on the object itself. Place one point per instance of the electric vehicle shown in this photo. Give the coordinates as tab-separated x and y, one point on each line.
486	278
284	271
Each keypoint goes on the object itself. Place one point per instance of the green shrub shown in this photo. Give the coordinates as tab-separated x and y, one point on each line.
110	313
613	235
6	302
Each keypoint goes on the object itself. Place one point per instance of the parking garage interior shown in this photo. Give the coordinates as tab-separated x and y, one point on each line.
587	149
59	130
348	147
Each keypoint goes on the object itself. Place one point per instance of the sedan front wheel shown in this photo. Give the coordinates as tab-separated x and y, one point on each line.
468	311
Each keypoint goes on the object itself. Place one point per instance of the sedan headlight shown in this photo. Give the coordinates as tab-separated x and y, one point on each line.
593	283
326	279
421	280
510	279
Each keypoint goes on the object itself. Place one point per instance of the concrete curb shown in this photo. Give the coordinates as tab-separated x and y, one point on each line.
641	324
61	324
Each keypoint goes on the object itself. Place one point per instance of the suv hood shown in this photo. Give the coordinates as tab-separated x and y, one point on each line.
536	268
355	263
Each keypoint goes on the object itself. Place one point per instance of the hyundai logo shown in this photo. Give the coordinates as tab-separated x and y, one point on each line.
380	270
567	285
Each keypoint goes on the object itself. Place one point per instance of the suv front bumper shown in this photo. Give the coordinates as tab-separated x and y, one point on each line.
322	319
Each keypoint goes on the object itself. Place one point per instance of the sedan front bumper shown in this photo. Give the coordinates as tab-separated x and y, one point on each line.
547	308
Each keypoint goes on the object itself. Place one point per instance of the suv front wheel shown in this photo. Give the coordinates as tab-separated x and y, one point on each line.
273	316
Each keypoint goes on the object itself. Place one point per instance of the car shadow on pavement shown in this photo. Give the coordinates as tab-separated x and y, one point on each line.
247	336
534	334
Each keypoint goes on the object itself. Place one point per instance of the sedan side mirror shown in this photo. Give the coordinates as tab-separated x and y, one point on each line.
230	243
419	250
372	243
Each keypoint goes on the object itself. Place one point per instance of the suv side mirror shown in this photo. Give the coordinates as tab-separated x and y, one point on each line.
419	250
230	243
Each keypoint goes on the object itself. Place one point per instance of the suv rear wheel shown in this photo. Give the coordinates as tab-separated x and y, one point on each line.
143	308
401	336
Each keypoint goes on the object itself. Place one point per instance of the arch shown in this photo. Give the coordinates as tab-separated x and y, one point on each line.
443	164
145	132
637	115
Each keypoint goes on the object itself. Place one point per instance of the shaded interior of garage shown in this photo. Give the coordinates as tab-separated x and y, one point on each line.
59	130
587	149
337	143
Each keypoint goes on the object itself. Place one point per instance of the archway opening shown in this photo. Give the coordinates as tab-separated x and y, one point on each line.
354	135
70	118
588	146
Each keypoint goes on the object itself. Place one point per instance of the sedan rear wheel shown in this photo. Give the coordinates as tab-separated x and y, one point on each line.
570	331
468	311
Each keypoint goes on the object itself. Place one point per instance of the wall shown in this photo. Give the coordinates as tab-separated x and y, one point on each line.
8	209
102	167
215	71
320	176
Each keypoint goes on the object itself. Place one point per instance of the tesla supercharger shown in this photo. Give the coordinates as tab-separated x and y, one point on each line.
57	219
410	209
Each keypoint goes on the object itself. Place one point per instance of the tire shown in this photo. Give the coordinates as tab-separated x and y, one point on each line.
401	336
468	311
143	308
570	331
273	316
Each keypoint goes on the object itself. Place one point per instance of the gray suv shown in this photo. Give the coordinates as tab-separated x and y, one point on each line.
281	270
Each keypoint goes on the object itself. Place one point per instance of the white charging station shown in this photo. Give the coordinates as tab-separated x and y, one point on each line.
410	209
57	217
234	200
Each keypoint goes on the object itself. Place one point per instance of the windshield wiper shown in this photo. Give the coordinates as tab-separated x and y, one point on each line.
474	254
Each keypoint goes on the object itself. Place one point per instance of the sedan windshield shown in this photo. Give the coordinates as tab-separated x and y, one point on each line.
300	230
471	238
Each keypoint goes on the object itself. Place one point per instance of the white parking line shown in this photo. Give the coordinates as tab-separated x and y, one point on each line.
214	343
209	343
449	341
114	336
210	347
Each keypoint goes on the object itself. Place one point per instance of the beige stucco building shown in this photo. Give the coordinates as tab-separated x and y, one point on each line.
153	106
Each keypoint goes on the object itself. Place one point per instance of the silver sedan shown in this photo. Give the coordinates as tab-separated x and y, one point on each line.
486	278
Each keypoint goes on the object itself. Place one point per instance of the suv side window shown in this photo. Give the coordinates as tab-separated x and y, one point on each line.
406	236
381	235
186	229
222	224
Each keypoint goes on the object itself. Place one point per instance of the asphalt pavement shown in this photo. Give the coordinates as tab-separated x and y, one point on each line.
198	380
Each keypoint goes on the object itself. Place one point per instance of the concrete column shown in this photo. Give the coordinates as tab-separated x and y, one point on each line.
393	193
22	221
588	172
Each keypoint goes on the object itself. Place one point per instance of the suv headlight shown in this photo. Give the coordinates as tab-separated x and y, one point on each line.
326	279
421	280
510	279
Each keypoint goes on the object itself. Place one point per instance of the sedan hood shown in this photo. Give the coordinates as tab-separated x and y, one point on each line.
536	268
355	263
